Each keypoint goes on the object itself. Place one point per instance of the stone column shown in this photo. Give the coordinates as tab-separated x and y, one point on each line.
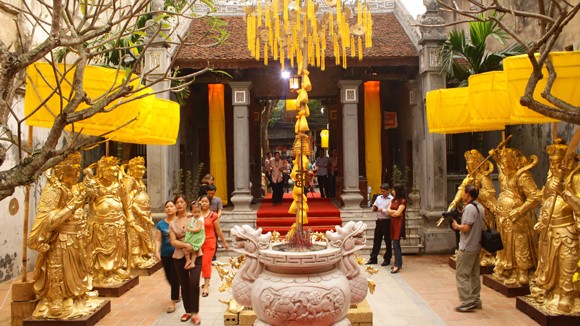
418	137
413	243
241	196
350	196
162	161
431	148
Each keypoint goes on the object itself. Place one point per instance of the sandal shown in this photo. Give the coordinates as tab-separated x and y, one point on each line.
196	320
171	308
204	294
185	317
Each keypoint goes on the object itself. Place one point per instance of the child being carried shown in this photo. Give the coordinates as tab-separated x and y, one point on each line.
195	236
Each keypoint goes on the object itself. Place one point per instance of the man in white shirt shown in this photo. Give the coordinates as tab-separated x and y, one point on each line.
383	226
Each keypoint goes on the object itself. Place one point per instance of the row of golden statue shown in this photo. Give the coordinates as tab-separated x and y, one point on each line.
91	233
540	252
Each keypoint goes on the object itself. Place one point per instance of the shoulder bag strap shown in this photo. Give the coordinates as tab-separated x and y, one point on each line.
472	203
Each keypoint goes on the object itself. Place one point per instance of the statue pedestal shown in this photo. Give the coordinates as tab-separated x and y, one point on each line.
147	271
119	290
534	311
88	320
482	269
508	291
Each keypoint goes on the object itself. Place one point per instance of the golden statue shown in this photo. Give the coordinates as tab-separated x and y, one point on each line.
108	220
62	270
140	244
559	226
517	199
479	175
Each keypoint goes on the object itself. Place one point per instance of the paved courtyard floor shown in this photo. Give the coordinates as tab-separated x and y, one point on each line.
423	293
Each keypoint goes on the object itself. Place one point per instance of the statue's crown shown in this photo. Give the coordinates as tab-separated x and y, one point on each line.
558	148
73	158
106	161
473	155
139	160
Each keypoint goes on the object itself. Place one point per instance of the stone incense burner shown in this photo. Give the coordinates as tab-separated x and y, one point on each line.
287	287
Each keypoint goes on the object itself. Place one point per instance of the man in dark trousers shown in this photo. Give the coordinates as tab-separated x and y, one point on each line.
467	269
383	226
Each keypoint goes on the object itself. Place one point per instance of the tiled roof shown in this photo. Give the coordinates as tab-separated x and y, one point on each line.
389	42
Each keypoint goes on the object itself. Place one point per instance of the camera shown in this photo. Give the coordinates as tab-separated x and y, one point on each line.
374	208
454	214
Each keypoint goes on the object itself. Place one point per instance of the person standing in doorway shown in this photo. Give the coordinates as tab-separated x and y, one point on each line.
268	169
278	168
205	182
333	173
467	271
322	165
382	227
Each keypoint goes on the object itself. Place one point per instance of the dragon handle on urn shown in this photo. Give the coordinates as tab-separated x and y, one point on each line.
249	242
351	237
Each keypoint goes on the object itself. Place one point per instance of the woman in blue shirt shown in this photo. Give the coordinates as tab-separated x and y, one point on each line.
164	252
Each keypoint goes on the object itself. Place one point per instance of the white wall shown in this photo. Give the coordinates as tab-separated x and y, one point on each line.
11	232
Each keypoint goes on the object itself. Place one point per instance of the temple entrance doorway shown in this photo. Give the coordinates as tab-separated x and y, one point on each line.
276	131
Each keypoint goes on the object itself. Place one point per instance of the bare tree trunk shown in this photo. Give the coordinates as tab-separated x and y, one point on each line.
266	115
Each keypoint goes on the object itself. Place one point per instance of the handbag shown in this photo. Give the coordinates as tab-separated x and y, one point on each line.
490	238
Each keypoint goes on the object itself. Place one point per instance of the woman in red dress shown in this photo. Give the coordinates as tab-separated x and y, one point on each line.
211	225
397	212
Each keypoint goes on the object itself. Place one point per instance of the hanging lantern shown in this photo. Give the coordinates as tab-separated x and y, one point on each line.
294	83
324	138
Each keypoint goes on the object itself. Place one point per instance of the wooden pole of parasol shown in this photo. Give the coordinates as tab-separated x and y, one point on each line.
23	295
25	223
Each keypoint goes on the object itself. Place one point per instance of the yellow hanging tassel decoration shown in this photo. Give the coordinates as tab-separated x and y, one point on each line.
335	47
330	23
360	49
266	54
275	50
285	13
282	61
297	8
352	47
257	49
259	15
343	57
338	11
318	54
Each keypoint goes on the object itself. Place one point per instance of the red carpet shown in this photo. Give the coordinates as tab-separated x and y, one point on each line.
323	215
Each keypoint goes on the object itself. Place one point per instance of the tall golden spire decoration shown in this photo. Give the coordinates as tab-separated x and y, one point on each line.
281	28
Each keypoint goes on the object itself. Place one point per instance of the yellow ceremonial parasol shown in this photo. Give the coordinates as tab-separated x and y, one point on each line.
139	118
449	112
